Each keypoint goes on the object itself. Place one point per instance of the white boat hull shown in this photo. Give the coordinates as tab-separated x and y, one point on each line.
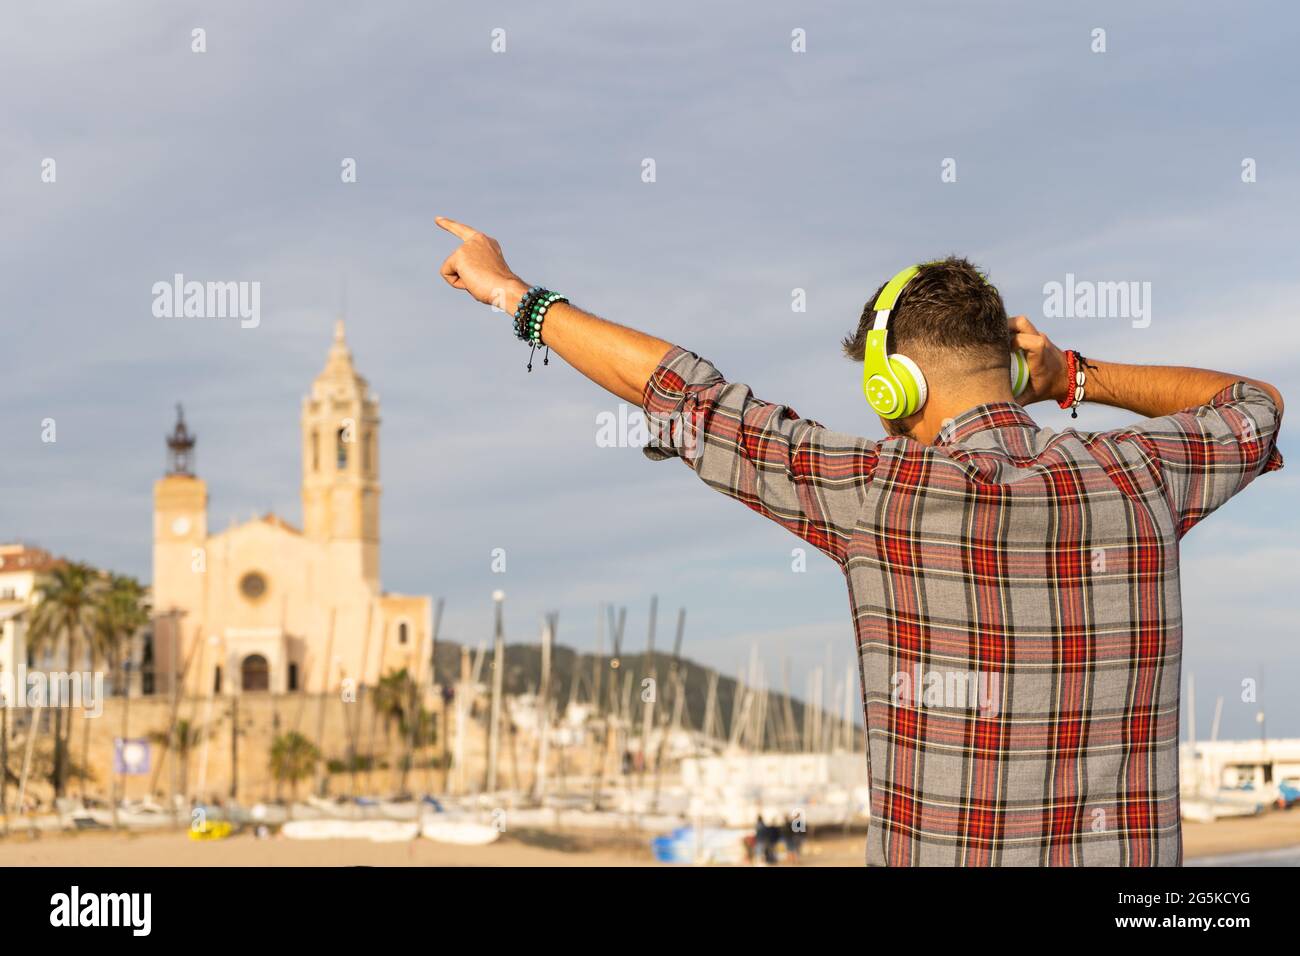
376	831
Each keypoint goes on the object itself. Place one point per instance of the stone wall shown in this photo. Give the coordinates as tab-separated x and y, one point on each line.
337	726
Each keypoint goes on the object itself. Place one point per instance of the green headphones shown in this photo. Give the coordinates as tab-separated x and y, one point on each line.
893	384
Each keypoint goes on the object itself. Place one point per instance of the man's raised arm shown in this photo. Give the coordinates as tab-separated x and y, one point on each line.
1147	390
1209	433
616	358
805	477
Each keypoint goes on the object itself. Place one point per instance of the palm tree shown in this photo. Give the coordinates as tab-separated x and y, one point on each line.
184	738
293	759
392	700
67	598
120	611
123	609
397	700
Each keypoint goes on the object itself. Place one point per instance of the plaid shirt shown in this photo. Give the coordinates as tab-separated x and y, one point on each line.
1015	596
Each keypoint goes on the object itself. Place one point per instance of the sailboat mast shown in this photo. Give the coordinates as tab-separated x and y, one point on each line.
498	677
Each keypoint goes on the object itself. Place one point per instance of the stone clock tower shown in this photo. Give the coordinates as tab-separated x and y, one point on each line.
340	465
180	533
180	509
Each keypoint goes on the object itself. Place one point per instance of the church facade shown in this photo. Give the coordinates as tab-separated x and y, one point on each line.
266	606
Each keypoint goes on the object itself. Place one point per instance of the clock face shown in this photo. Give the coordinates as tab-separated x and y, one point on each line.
181	526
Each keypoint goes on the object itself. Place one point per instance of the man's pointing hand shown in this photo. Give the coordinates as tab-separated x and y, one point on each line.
478	267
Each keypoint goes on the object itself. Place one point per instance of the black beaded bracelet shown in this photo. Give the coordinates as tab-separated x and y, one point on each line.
530	316
524	309
527	314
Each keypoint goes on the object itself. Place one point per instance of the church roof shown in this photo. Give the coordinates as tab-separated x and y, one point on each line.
276	521
270	519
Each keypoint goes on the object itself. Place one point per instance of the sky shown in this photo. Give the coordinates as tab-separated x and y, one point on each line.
774	170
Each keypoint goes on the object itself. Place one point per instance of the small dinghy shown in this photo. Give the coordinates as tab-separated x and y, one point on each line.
212	830
377	831
462	832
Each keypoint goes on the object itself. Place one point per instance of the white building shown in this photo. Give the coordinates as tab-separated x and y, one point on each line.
20	565
1208	766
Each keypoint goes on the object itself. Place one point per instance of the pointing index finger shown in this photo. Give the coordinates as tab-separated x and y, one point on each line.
457	229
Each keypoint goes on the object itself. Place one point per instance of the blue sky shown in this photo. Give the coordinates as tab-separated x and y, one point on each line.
775	171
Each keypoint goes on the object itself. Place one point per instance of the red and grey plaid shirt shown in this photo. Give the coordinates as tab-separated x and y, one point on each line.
1016	601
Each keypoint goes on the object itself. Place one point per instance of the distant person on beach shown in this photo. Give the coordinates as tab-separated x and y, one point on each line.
793	837
765	841
758	851
1015	590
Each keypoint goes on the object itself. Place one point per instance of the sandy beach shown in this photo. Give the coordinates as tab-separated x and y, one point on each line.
1270	832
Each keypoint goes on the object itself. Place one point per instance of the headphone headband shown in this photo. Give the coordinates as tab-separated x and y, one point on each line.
893	288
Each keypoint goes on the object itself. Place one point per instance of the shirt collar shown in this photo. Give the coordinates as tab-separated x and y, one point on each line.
981	418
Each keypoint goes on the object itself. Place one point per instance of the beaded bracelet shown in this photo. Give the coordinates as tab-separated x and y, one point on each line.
532	330
530	316
524	308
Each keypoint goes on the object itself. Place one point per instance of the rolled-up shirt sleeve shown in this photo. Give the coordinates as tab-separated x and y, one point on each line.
1207	454
790	469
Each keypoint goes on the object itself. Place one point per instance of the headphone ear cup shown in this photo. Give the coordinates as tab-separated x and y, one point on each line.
915	390
1019	372
884	398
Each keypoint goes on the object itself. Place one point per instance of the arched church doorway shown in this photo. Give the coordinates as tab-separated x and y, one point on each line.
255	673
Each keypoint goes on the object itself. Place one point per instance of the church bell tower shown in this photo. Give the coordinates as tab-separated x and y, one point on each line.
340	464
180	532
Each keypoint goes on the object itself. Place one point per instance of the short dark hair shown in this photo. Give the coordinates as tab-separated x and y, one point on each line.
947	307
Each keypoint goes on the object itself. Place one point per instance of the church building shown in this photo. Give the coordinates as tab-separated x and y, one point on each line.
266	606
